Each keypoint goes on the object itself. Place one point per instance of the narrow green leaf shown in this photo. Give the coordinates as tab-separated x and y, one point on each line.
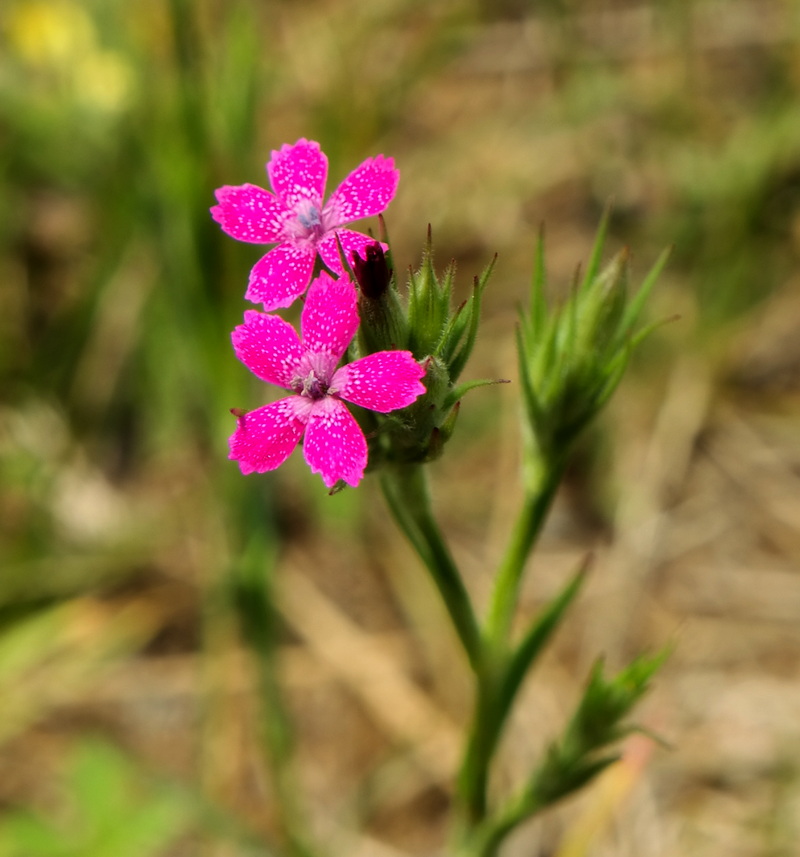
529	394
537	635
446	287
538	300
452	333
593	267
474	310
572	779
637	302
462	389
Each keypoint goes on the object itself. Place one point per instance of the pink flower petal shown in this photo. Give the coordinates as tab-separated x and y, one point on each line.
334	445
250	213
281	276
269	347
265	438
351	242
381	382
298	172
366	191
330	317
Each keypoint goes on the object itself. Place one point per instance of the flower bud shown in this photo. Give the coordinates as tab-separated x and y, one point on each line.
372	272
572	357
383	320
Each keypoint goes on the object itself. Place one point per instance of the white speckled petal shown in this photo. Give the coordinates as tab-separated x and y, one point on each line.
269	347
250	213
334	446
265	437
298	172
330	317
381	382
281	276
366	191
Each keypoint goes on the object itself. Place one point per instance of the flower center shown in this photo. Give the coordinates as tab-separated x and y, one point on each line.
309	220
312	387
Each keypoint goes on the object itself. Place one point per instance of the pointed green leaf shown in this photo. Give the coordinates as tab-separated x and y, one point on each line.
462	389
474	309
593	267
538	298
537	635
636	303
452	333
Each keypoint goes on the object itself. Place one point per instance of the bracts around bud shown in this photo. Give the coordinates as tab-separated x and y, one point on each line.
441	337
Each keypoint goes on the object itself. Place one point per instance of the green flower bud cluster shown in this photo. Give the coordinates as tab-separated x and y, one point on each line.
424	322
584	750
572	357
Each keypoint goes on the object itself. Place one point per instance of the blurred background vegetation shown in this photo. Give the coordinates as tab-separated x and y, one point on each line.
136	561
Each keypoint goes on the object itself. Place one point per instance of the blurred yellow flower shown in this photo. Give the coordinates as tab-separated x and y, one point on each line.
50	32
59	36
104	80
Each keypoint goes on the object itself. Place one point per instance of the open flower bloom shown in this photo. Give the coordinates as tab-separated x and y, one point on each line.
295	218
333	443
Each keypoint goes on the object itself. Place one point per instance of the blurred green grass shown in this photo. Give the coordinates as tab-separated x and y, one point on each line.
118	120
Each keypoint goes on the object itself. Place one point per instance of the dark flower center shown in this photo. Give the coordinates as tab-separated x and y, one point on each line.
312	387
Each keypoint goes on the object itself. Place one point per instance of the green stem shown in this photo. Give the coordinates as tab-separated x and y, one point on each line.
481	742
407	495
487	837
491	654
492	699
527	528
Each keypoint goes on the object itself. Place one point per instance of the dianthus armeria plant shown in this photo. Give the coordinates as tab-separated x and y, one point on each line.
374	383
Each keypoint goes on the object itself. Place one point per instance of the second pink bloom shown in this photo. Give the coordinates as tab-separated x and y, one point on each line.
333	444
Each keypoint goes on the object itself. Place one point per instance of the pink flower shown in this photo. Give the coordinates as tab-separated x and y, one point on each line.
333	443
295	218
